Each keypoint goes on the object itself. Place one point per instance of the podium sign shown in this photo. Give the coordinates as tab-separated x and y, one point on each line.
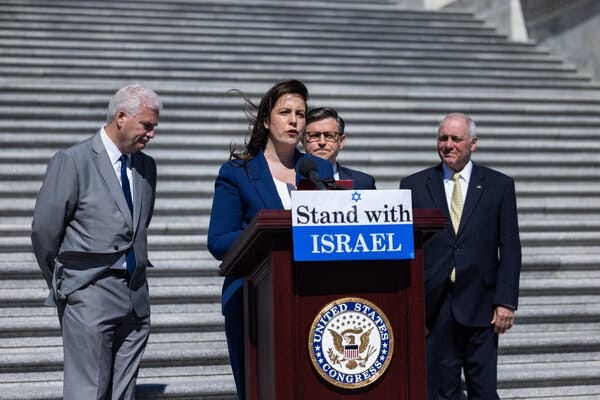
335	330
352	225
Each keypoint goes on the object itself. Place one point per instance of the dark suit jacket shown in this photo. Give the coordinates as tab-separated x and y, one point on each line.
486	251
82	224
241	189
360	179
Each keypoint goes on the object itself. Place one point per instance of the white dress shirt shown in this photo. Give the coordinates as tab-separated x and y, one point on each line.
284	192
465	177
114	154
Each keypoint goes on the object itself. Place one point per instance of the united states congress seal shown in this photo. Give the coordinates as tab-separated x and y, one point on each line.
350	343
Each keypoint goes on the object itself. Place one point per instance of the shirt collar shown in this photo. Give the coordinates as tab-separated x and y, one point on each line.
465	173
111	148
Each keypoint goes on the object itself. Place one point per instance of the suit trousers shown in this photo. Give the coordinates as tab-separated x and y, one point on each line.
103	341
452	347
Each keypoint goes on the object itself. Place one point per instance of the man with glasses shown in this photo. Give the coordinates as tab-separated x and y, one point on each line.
324	137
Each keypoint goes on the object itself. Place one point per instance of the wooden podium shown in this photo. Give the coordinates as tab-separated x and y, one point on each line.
282	298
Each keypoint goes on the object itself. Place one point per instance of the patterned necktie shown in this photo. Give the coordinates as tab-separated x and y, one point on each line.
456	204
456	207
130	257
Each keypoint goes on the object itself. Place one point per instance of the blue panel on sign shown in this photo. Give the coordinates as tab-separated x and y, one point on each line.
353	242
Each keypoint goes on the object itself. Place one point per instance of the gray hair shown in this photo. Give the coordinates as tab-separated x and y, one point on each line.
131	99
468	120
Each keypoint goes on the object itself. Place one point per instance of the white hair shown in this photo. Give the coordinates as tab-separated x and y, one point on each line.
468	120
131	99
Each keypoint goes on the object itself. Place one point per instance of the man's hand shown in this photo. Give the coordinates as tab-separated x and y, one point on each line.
503	319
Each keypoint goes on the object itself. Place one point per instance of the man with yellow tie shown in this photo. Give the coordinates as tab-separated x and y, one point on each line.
471	269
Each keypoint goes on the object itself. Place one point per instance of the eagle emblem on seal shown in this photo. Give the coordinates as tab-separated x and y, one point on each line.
347	350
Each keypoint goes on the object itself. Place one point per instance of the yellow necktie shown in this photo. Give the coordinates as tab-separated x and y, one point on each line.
456	207
456	203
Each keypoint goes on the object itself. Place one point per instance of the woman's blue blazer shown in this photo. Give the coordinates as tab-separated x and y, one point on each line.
241	189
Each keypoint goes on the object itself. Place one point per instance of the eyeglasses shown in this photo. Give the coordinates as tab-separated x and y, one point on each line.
316	136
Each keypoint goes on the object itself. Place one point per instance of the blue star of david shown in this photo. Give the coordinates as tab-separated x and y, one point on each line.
356	196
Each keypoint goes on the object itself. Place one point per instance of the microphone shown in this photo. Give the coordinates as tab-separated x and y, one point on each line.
308	168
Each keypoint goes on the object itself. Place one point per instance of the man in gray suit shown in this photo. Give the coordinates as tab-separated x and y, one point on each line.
89	235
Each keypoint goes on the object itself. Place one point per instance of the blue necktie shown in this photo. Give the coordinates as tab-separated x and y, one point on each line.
130	257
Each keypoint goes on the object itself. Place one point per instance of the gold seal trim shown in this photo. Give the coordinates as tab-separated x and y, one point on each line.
350	343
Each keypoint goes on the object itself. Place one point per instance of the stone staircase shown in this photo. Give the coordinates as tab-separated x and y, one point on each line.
392	72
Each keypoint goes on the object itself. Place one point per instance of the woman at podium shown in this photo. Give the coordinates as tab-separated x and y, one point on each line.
258	176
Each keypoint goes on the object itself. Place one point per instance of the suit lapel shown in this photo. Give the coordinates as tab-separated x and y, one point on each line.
474	192
102	162
260	176
344	173
138	173
435	185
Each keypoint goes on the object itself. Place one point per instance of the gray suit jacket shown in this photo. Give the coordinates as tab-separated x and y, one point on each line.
82	225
